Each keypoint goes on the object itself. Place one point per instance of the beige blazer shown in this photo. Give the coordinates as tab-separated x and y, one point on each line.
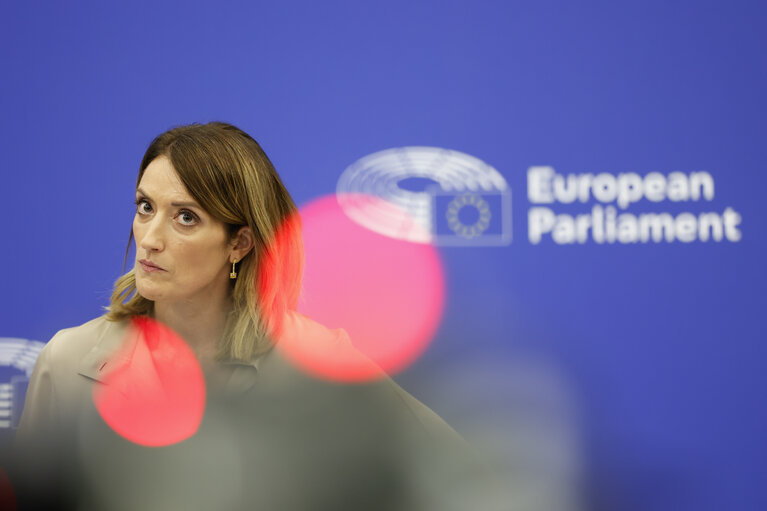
74	360
334	443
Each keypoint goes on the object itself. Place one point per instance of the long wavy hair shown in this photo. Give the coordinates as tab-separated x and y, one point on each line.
230	176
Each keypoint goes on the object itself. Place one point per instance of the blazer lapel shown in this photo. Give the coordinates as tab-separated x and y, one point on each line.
106	353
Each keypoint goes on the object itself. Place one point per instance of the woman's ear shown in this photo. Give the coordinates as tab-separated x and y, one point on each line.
241	243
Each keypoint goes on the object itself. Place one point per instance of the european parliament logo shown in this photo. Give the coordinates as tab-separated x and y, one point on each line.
17	359
436	195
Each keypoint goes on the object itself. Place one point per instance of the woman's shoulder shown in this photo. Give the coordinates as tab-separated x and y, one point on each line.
88	330
298	326
331	353
83	336
57	385
69	346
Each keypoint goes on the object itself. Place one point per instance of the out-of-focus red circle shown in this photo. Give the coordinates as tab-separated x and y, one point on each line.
388	294
154	389
7	495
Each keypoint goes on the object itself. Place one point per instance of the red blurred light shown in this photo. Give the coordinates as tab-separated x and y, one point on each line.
7	495
388	294
154	390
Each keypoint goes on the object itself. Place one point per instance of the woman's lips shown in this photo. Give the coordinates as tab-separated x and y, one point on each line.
149	266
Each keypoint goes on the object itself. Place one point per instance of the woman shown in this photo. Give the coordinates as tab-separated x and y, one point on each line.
218	261
208	199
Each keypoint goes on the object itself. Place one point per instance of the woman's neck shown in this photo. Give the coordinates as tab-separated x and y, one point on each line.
201	325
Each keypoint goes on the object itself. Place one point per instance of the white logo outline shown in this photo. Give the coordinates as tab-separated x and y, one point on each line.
20	354
411	215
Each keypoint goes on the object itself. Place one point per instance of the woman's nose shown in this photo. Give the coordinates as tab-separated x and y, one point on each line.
152	239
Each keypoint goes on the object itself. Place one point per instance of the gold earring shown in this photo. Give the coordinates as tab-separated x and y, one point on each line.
233	275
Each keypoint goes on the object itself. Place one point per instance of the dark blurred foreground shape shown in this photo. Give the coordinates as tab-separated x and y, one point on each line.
274	439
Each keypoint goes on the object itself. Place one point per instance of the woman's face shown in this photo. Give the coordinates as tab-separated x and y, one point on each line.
182	253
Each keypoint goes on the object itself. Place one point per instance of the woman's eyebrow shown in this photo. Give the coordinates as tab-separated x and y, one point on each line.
185	205
174	204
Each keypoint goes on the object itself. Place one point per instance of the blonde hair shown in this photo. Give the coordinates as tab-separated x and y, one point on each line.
230	176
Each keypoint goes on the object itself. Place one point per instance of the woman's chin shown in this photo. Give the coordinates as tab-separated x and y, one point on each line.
148	292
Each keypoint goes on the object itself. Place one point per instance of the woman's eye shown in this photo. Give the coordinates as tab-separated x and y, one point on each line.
187	218
143	207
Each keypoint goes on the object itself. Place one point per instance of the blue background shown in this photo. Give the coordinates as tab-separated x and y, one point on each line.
661	345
